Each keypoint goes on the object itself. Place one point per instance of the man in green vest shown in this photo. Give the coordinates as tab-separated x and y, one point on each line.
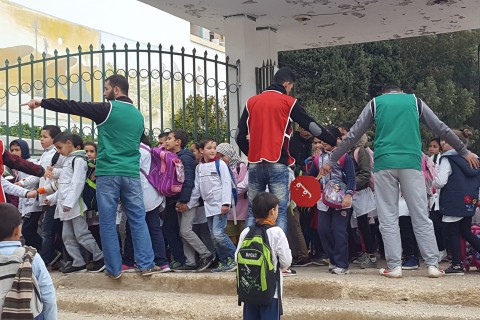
397	168
120	126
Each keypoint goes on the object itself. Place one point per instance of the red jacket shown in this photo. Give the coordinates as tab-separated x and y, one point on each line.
269	126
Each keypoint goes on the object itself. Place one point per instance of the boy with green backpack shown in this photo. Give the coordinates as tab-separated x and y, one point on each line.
262	254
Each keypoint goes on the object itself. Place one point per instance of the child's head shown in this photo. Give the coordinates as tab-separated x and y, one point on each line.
144	139
226	152
265	205
344	129
20	148
463	135
47	134
337	134
176	140
90	149
208	149
434	147
10	228
196	151
64	142
162	137
77	142
317	145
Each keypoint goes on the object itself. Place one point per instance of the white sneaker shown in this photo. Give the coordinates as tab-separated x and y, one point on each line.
442	255
331	267
338	270
434	272
391	273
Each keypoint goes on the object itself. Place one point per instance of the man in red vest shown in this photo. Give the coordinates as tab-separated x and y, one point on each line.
14	162
263	134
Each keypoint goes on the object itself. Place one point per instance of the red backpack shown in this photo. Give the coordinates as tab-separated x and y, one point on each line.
166	171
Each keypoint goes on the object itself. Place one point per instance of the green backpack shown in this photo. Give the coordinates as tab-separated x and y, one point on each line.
257	277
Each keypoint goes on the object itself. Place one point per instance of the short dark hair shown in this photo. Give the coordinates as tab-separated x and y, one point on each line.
202	143
346	125
120	81
144	139
11	218
52	130
63	137
91	143
181	135
391	87
77	141
283	75
163	135
263	203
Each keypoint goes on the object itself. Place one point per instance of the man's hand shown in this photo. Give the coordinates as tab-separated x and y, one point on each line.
324	170
472	160
31	194
225	208
347	201
33	104
49	173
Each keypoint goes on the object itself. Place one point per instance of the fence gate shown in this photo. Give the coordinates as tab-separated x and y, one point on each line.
264	75
172	89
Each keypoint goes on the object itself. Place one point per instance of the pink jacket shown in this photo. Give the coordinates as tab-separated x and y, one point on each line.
242	188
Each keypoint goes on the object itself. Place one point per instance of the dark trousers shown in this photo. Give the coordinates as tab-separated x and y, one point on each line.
171	231
30	230
295	236
456	231
332	229
156	235
440	229
203	232
367	234
409	242
312	239
52	235
257	312
95	230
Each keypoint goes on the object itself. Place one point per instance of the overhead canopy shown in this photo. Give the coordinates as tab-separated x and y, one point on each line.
304	24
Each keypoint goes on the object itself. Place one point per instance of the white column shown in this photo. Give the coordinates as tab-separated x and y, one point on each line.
241	44
267	45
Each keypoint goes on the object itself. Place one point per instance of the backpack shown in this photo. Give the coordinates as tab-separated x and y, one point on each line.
333	191
166	171
19	292
470	257
89	193
257	277
372	161
234	181
429	173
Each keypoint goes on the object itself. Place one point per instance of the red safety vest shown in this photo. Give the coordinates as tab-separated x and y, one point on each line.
269	126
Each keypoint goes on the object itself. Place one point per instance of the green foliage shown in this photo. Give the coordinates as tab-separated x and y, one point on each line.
335	83
203	121
20	130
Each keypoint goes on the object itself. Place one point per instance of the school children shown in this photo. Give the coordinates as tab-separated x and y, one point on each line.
265	211
70	207
459	196
215	188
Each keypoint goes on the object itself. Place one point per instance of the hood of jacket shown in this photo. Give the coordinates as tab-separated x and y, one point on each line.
186	153
23	146
78	153
454	157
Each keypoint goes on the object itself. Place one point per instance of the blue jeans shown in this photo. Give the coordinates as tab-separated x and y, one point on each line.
332	229
158	243
110	190
223	245
51	235
260	312
275	176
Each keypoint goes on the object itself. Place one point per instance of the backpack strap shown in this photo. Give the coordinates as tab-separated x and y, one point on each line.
233	206
55	158
341	161
372	108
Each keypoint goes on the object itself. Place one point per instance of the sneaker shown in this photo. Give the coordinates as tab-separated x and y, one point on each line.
320	262
301	262
391	273
231	265
454	270
331	267
150	271
165	268
434	272
361	258
129	269
72	269
113	277
219	268
175	264
185	268
442	256
97	266
289	273
411	263
370	262
338	270
204	263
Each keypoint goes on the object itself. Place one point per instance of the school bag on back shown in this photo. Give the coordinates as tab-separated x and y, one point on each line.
89	193
232	177
166	171
429	172
257	277
370	154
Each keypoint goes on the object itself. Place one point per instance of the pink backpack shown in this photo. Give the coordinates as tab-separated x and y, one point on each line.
370	153
166	171
429	172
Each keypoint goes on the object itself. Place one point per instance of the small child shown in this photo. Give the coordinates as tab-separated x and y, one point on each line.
216	192
71	207
265	211
92	215
162	137
459	197
332	223
10	231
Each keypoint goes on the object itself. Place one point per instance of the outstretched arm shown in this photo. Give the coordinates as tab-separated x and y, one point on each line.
14	162
299	115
